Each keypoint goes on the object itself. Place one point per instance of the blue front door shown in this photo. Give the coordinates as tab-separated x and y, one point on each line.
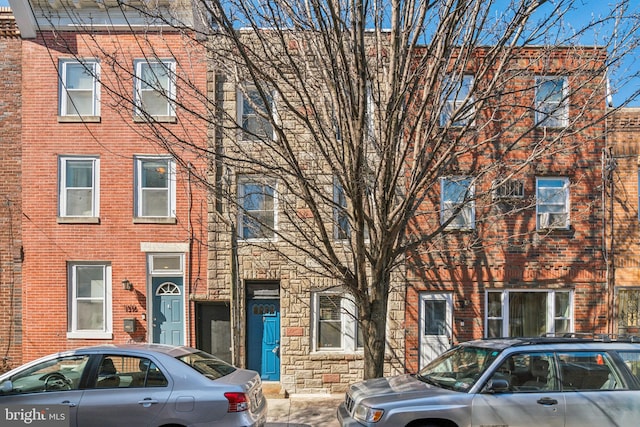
263	338
168	318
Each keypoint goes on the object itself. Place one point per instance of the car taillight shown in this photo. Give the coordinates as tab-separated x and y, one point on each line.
238	402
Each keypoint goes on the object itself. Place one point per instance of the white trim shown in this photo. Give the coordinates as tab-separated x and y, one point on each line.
164	247
170	98
170	189
63	106
243	181
63	189
107	297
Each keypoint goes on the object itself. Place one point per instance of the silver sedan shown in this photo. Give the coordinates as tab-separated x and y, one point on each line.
132	385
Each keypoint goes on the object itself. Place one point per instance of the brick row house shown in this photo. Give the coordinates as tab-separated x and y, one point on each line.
10	192
622	178
113	227
121	245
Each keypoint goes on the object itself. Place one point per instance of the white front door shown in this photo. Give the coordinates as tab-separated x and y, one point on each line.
436	317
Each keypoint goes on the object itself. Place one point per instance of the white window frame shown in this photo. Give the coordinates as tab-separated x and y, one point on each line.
63	189
252	114
551	317
465	219
243	182
348	322
550	213
66	107
552	108
170	188
457	95
167	89
74	331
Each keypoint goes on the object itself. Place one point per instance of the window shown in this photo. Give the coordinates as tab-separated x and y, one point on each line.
341	228
79	194
257	209
253	114
79	88
336	322
118	371
529	373
62	373
551	106
552	203
456	203
628	308
90	300
587	370
458	108
155	187
155	90
528	313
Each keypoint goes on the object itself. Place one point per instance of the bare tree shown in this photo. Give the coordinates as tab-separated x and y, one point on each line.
356	110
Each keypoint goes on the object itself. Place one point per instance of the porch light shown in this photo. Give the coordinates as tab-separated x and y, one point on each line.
127	285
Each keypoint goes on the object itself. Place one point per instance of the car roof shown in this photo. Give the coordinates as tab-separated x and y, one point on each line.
170	350
503	343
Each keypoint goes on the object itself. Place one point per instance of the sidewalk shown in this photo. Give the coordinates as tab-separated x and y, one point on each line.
304	411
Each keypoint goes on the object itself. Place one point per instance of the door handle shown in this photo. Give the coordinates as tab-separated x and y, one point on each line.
147	402
547	401
69	404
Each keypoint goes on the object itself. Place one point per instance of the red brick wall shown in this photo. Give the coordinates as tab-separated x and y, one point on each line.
506	251
116	139
10	194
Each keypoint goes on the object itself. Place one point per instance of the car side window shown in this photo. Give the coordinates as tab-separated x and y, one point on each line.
117	371
632	360
584	371
529	372
60	374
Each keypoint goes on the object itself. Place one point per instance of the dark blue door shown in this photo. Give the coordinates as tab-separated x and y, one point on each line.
263	338
168	318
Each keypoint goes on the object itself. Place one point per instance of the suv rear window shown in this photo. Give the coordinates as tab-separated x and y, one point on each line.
208	365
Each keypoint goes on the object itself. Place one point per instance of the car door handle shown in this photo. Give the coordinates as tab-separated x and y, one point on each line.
69	404
547	401
147	402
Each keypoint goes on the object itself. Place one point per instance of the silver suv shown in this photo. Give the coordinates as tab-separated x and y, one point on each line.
547	381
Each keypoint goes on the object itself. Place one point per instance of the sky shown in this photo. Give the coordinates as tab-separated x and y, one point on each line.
624	78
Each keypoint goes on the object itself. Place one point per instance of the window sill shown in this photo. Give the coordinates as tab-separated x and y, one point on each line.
90	335
79	119
154	119
78	220
154	220
336	355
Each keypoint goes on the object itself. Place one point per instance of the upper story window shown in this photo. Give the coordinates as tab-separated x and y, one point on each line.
458	108
552	203
79	88
254	109
79	190
155	187
257	218
90	300
552	107
456	203
341	228
155	89
335	322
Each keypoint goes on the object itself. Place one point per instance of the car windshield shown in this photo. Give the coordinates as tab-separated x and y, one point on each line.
208	365
459	368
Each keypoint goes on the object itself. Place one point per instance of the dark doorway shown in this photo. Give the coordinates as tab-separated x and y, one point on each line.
213	329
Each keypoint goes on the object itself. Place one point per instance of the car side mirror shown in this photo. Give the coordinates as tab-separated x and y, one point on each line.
6	386
497	386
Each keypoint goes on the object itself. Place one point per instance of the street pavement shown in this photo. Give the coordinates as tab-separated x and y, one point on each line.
309	410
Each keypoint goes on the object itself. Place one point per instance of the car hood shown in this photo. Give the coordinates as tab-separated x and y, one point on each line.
400	387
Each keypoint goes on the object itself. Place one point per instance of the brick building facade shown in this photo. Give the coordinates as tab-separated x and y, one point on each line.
624	239
10	192
517	267
113	225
